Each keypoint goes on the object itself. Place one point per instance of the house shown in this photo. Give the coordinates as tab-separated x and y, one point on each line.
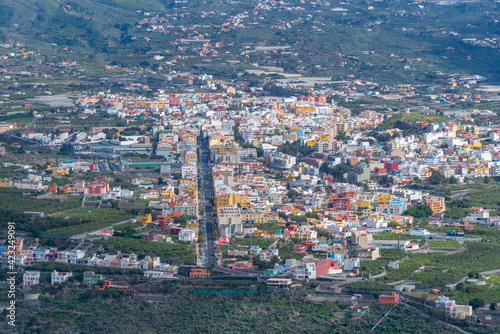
31	277
368	254
477	215
255	250
306	270
279	283
158	274
90	277
187	235
448	306
350	264
361	238
199	272
145	219
393	298
269	255
299	249
60	277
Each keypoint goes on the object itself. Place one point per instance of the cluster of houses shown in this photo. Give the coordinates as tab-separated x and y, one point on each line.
152	266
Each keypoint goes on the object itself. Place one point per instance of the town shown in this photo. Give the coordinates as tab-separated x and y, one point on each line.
251	167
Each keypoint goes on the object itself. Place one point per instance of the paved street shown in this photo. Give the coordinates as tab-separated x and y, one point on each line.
206	195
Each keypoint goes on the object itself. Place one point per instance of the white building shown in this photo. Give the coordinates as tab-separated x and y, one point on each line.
60	277
306	270
158	274
31	277
448	306
350	264
187	235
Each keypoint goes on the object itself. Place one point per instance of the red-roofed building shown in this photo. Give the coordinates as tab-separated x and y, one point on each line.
389	299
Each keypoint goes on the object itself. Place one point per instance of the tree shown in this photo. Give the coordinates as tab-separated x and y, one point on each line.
493	306
147	210
292	193
437	177
421	211
476	303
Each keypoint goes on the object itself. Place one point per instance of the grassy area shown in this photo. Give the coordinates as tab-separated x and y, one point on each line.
468	292
89	220
16	204
446	269
424	118
395	236
369	286
179	252
255	241
269	227
444	243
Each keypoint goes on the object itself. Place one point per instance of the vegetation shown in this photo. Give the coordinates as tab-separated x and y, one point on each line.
444	243
13	203
369	286
178	252
264	243
421	211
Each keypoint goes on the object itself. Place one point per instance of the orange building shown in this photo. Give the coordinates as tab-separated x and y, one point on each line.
436	204
393	298
199	272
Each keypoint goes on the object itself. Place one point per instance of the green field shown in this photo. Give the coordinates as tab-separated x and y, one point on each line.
16	204
178	252
91	219
444	243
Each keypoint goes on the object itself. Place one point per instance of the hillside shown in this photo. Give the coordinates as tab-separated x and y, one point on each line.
384	42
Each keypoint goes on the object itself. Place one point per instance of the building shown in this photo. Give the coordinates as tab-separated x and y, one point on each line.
187	235
230	220
361	238
280	160
5	183
31	277
60	277
436	204
477	215
449	307
389	244
393	298
279	283
90	277
368	254
199	272
359	174
96	188
158	274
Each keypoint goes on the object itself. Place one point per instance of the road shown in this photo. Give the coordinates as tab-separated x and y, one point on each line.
210	257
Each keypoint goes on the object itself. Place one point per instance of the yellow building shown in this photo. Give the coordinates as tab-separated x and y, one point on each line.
361	204
5	183
191	156
224	148
230	199
59	171
382	199
145	219
259	218
303	110
479	171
